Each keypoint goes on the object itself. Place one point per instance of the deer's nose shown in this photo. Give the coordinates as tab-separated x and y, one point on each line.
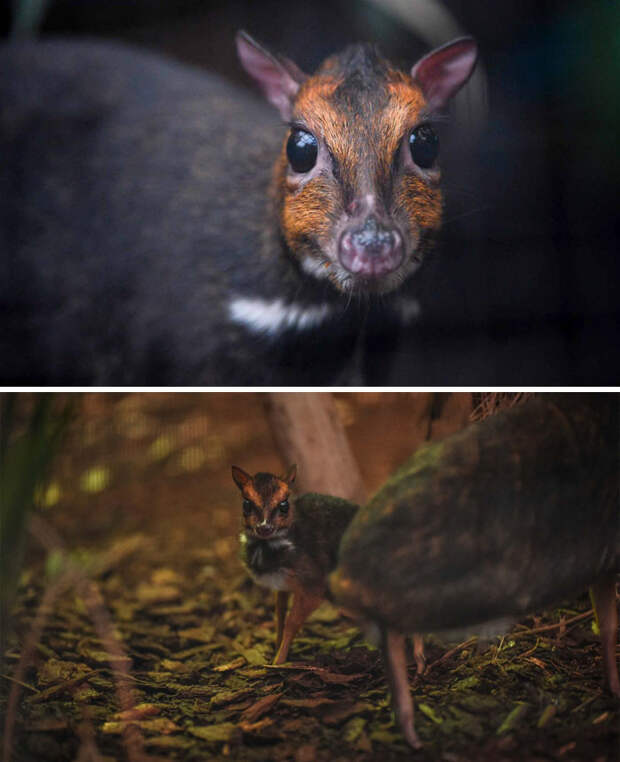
371	250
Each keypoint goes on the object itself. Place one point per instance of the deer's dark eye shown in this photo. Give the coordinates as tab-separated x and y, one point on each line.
284	507
424	146
247	507
302	150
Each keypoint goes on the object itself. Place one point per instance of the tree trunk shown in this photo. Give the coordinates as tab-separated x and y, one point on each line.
308	431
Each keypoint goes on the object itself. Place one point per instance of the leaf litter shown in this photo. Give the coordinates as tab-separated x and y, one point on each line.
200	637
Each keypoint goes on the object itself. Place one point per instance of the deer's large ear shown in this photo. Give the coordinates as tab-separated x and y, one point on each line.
290	475
443	71
240	477
279	79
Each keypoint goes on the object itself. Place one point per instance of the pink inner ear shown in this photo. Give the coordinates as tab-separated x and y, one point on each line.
291	474
275	80
443	72
240	477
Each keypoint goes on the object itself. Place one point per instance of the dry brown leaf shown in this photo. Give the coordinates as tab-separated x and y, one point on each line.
256	727
227	697
138	712
308	703
234	664
203	634
260	707
224	732
160	725
335	678
343	710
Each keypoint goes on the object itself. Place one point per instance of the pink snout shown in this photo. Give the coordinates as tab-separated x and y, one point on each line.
372	250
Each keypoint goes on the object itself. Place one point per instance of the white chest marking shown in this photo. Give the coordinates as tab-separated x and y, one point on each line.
272	316
274	581
278	543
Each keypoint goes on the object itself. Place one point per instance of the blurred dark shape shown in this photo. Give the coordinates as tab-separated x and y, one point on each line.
500	520
27	17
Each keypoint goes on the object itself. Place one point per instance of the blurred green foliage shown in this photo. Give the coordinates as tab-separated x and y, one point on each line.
27	448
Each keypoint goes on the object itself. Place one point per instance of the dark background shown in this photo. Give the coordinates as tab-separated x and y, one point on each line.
525	286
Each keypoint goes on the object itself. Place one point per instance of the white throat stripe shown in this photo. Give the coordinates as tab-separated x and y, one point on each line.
271	316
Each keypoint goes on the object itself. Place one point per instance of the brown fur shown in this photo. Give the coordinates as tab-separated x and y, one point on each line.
363	119
304	603
265	492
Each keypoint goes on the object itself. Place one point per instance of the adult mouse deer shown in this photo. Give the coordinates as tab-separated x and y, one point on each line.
158	225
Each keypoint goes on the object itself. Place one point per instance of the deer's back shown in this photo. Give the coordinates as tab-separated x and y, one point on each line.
132	193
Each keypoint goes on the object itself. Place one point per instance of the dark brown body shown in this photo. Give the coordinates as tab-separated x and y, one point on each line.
319	525
151	234
508	516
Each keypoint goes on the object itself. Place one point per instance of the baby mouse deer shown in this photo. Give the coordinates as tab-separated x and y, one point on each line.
162	226
290	545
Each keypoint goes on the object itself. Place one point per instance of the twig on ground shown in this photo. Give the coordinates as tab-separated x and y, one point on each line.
554	626
448	654
51	593
19	682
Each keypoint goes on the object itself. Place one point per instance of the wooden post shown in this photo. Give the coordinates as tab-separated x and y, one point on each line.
308	431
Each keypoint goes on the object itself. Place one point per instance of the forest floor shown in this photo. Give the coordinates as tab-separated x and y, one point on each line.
142	497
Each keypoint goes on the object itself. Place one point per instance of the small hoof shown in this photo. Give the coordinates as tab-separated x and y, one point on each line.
407	728
412	739
612	682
